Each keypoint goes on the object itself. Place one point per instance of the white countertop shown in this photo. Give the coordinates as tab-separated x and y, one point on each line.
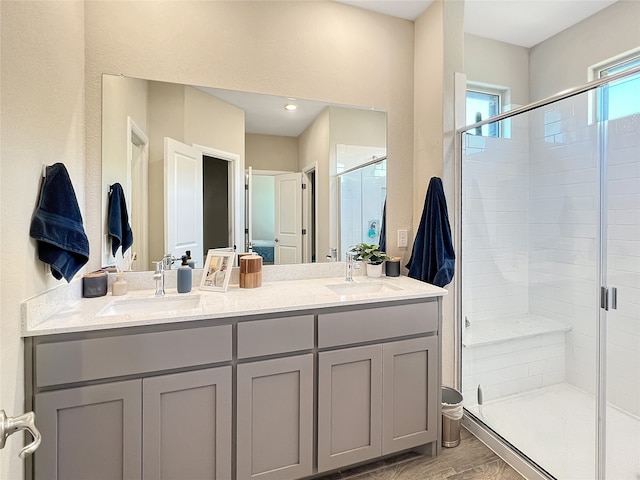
272	297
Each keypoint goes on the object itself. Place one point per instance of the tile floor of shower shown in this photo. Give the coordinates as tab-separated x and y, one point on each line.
555	427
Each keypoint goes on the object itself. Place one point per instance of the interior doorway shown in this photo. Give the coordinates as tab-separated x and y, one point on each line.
216	225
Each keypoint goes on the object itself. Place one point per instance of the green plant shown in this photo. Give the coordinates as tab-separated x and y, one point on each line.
369	253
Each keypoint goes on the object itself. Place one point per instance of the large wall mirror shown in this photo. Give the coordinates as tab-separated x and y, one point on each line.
207	168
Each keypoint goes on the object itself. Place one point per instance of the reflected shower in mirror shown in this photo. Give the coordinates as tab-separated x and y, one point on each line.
188	159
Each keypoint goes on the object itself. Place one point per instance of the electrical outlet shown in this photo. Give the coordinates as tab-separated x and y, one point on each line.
403	238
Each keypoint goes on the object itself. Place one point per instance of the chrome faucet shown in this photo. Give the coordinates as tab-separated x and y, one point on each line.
168	260
351	265
158	276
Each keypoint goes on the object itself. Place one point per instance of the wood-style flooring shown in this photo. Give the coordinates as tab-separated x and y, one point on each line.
471	460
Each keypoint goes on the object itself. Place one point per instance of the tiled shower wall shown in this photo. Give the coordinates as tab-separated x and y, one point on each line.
563	209
531	205
494	195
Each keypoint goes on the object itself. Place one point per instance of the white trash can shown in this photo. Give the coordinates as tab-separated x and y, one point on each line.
451	417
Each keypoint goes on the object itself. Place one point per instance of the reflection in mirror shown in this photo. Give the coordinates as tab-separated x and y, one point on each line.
184	153
363	192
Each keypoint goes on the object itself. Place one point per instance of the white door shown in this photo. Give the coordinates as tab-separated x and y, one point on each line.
249	204
183	200
288	219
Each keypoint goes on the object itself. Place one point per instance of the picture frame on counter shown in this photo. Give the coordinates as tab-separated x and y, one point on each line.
217	270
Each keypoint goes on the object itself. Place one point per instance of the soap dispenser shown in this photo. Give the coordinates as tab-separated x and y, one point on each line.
184	276
190	262
119	287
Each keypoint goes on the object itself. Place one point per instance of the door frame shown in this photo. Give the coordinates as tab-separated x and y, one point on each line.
236	192
309	194
136	136
250	172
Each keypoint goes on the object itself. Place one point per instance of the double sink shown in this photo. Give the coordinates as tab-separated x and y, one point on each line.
178	303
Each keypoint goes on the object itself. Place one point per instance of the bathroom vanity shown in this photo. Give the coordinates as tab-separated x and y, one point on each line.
291	380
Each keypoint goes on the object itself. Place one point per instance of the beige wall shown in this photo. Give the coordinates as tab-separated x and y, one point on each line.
427	124
563	61
497	63
313	147
439	54
42	117
271	152
213	123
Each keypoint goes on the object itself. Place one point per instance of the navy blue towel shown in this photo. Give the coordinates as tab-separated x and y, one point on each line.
433	259
119	229
57	225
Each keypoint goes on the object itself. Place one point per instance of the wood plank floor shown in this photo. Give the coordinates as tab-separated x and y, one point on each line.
471	460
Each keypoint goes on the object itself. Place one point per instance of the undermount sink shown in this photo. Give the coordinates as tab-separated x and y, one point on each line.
356	288
130	306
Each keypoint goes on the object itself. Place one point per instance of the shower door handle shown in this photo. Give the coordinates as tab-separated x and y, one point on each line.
614	298
604	298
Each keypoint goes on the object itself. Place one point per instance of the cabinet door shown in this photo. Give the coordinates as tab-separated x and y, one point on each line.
90	432
275	419
187	425
410	387
349	406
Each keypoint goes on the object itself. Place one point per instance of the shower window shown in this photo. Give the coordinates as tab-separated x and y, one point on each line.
480	105
620	99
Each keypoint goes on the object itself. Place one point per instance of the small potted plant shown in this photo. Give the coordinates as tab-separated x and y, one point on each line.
372	255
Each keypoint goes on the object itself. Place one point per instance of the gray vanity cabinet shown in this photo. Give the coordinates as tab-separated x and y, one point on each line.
186	425
275	419
409	394
349	406
148	427
91	432
314	391
381	398
275	399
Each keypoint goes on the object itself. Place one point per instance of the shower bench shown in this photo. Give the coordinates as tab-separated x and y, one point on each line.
510	355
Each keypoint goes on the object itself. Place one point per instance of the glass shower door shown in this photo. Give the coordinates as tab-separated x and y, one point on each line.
530	283
622	148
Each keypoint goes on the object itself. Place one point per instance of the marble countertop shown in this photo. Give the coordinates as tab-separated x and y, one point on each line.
82	315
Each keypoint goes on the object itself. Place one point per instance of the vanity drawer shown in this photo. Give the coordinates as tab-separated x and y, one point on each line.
276	335
95	358
343	328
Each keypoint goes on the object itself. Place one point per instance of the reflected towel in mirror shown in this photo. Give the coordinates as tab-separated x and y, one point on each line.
119	228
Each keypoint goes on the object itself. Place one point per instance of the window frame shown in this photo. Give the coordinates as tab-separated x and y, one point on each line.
500	93
600	103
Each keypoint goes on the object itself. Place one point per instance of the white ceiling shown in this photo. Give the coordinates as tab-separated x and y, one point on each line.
519	22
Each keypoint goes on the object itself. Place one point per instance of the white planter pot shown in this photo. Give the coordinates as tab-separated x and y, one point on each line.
374	271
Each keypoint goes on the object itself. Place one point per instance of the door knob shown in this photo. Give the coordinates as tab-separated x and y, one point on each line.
9	425
276	239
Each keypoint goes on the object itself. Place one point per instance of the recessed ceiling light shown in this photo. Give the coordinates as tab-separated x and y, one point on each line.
290	106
